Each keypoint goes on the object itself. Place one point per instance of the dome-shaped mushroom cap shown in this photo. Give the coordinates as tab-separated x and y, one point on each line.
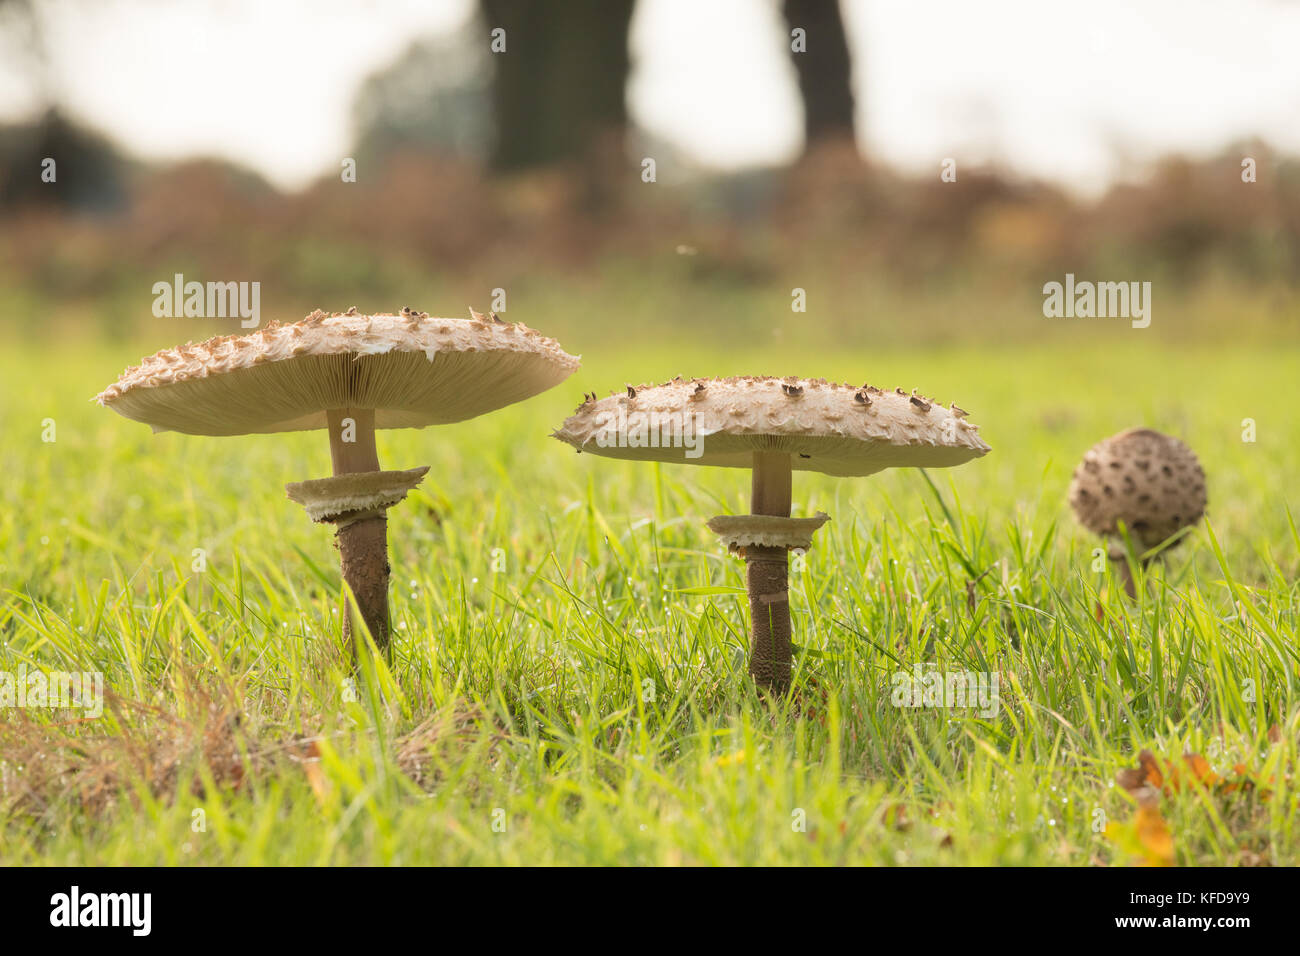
834	429
412	369
1150	481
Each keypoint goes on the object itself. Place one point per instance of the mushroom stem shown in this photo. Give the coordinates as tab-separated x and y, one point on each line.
1126	575
767	577
1117	554
363	543
360	453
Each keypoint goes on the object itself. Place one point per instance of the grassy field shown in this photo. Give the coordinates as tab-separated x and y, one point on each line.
568	683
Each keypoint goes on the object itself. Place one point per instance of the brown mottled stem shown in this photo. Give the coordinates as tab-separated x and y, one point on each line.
1126	575
767	578
1117	553
363	544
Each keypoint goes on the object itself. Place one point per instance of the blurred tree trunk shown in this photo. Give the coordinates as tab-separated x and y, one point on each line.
824	69
558	89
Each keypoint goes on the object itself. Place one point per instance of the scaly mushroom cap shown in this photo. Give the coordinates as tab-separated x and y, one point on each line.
1150	481
412	369
834	429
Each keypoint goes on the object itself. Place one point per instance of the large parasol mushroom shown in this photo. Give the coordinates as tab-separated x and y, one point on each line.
773	426
351	374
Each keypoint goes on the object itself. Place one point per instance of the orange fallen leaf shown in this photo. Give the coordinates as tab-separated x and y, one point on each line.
1194	767
1154	836
895	816
1145	774
1166	775
315	775
1145	838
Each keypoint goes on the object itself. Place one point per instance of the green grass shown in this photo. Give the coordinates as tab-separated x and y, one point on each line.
570	639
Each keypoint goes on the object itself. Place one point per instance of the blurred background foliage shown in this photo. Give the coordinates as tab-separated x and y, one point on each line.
477	172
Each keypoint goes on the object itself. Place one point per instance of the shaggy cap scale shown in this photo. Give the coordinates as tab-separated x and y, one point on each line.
412	369
833	429
1150	481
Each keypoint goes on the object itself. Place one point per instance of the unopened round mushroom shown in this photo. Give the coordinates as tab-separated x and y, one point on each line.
1148	481
772	426
351	374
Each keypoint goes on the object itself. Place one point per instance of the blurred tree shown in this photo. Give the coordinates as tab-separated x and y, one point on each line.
558	88
824	69
435	96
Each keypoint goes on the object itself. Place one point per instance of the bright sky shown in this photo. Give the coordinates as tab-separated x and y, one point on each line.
1078	91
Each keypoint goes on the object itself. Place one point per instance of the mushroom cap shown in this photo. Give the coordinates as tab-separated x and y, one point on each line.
833	429
411	369
1150	481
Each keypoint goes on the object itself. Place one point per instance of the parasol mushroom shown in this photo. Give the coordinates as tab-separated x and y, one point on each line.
772	426
1148	481
351	374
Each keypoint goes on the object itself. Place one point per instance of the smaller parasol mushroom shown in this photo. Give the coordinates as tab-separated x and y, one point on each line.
1149	482
350	374
772	426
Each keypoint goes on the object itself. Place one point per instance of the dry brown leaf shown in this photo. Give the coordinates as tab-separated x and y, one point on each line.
320	786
